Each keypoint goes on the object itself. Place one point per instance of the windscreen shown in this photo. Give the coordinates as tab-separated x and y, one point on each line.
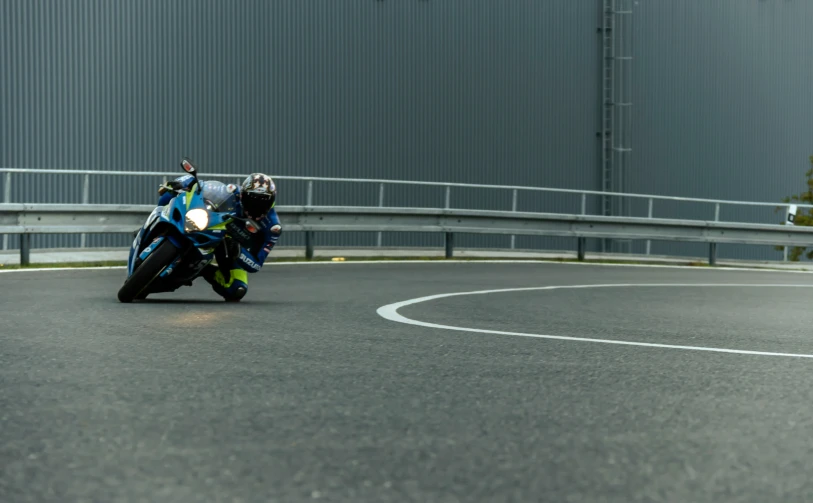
219	196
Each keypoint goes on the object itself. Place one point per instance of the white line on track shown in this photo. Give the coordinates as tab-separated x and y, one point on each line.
454	261
390	312
42	269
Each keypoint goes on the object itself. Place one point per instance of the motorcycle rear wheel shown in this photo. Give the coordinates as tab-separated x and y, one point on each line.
146	273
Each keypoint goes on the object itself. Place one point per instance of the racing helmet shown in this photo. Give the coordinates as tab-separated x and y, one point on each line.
258	193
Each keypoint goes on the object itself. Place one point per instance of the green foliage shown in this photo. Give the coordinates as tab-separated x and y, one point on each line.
804	217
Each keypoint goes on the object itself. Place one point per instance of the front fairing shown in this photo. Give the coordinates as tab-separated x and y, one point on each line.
198	246
175	215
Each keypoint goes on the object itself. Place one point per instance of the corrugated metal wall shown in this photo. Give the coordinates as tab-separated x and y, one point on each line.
723	109
459	90
456	90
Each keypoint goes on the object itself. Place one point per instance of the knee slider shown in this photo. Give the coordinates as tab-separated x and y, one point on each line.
239	292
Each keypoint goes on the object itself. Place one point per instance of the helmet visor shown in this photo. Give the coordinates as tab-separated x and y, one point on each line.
257	205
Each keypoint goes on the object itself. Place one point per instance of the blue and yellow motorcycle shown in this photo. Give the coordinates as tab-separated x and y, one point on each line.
181	238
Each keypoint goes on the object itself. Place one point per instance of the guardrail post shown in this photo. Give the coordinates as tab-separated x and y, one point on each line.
713	245
514	208
309	245
6	199
25	249
380	205
649	215
85	200
582	242
309	234
449	235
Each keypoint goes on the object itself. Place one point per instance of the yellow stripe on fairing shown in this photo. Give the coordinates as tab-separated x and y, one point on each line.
189	196
219	227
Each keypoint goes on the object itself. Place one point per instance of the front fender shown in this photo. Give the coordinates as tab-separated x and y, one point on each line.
146	230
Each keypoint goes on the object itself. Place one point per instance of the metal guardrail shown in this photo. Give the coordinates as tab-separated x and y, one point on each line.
28	219
382	183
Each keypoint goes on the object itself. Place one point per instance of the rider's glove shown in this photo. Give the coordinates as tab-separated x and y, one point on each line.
181	183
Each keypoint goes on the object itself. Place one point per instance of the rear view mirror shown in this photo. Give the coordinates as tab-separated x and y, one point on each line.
186	164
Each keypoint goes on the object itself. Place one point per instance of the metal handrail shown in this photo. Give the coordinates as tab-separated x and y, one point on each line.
28	219
408	182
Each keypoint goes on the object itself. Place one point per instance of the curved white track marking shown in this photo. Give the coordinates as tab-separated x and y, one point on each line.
390	312
43	269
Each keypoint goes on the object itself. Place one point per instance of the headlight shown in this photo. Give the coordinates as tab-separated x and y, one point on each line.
196	220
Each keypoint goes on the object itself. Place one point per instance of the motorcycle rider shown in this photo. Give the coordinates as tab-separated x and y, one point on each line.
256	198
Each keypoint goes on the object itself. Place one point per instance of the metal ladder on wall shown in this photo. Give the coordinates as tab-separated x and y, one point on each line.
616	58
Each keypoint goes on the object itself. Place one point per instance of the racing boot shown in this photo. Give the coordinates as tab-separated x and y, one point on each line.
232	289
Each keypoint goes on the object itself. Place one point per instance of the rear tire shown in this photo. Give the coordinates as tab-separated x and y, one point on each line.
146	273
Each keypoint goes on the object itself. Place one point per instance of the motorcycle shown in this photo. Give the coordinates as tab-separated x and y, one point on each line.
179	239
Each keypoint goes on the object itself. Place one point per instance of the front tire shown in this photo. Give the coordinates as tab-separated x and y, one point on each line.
146	273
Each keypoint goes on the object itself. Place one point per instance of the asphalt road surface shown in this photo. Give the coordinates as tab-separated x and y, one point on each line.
303	392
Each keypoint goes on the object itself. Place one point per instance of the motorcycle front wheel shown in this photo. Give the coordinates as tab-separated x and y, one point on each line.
146	273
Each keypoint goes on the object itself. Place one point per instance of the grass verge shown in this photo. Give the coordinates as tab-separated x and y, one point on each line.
414	258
